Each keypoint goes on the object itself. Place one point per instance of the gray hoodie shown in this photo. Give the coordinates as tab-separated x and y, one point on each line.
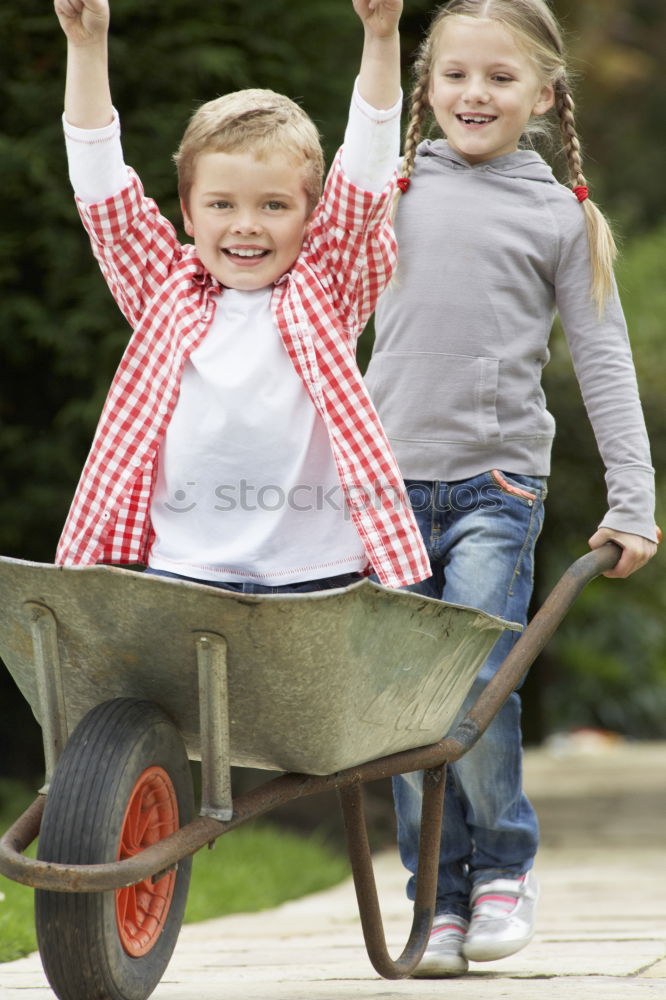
488	254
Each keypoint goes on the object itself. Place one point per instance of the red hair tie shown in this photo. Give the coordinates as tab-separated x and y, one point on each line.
581	192
403	183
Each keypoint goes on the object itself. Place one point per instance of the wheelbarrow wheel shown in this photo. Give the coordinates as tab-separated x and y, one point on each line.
122	783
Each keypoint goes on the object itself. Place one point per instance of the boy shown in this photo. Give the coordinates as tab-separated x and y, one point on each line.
238	446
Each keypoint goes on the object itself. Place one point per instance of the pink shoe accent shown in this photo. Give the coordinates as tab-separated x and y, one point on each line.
509	901
446	927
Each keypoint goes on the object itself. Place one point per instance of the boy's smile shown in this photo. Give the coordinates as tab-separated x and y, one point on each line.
483	88
248	216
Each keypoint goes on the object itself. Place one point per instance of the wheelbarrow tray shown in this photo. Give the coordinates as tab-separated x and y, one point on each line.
306	687
316	682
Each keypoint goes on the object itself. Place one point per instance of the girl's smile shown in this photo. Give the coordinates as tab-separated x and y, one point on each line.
473	122
483	88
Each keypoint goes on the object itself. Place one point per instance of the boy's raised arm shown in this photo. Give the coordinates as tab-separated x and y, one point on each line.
87	90
379	76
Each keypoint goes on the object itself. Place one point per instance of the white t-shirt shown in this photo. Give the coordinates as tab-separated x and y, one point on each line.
247	488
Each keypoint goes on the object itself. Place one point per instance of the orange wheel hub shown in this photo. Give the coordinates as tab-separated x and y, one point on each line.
151	815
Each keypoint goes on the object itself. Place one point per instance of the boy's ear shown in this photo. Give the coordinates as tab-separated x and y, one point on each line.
308	223
545	100
187	222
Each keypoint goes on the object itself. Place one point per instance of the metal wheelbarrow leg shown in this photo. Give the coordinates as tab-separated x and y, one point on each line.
351	800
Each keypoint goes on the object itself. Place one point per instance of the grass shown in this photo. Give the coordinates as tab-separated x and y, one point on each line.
255	867
17	933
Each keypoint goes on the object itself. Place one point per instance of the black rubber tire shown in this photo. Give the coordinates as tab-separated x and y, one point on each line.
77	933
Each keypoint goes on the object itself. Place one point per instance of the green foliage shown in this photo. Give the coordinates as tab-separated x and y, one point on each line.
606	665
611	672
617	51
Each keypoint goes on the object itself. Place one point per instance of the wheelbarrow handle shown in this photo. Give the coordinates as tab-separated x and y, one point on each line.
597	561
533	639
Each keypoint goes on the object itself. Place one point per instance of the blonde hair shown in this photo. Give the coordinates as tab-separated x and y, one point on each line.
536	31
257	121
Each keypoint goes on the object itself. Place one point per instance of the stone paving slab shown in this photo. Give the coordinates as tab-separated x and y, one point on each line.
601	928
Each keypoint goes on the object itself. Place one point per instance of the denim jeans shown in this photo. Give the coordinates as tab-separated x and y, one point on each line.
305	587
480	534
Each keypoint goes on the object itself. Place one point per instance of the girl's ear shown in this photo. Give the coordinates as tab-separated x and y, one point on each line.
545	100
187	222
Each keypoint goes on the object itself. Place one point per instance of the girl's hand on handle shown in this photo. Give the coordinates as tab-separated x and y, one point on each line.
380	17
84	22
636	550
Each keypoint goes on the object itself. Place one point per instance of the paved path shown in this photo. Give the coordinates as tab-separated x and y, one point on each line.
602	919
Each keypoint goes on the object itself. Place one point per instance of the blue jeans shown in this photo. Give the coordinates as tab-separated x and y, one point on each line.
305	587
480	534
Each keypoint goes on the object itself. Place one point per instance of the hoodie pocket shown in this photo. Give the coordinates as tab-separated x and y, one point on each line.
439	398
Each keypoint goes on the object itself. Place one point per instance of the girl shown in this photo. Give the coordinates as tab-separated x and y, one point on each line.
490	246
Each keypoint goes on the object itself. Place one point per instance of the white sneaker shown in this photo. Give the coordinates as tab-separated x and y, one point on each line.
503	913
443	956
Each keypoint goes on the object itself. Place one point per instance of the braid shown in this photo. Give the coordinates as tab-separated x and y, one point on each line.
419	109
564	106
602	245
413	135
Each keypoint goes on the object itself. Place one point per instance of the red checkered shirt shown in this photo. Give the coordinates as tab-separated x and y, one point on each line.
320	307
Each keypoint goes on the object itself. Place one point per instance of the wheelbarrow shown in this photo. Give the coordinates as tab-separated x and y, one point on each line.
131	676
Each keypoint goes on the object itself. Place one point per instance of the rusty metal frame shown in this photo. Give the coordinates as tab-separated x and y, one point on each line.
432	759
432	815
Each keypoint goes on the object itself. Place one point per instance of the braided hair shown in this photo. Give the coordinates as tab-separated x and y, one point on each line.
535	26
603	250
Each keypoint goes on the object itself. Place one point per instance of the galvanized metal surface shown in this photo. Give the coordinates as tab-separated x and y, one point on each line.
95	878
48	679
216	795
316	682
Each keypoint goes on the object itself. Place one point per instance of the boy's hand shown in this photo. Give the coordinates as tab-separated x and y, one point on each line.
379	75
380	17
87	93
636	550
83	21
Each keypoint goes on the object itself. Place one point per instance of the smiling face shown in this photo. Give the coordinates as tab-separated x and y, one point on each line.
248	216
483	88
